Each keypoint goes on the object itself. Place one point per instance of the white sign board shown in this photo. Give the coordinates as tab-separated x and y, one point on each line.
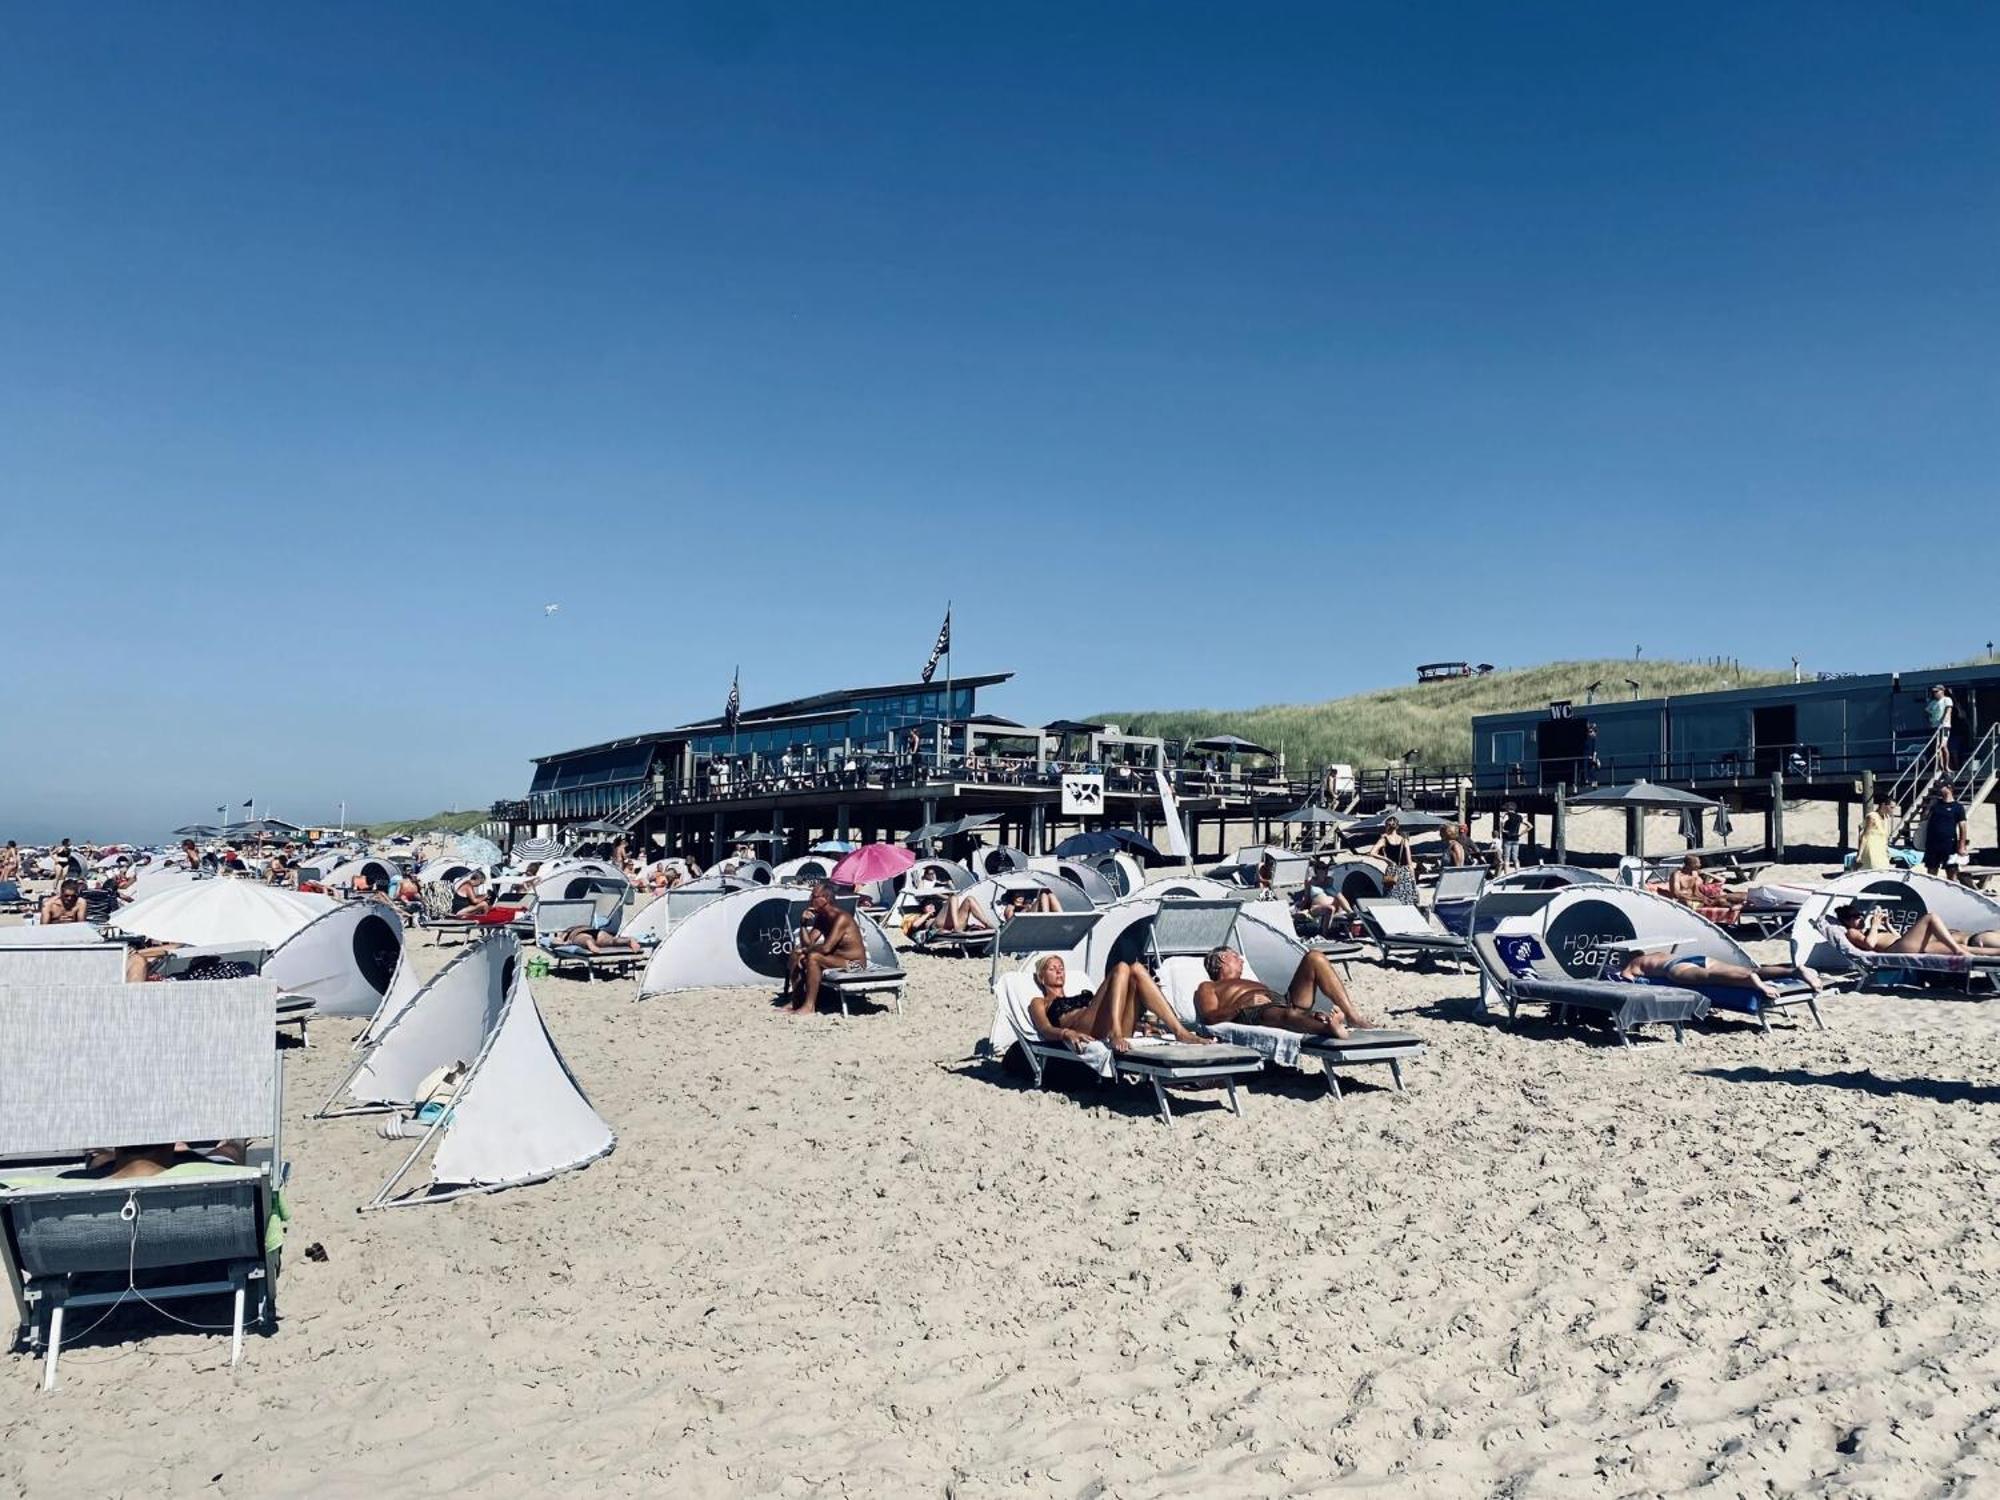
1082	796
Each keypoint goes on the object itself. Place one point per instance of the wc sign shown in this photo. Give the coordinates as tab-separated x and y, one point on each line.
1082	796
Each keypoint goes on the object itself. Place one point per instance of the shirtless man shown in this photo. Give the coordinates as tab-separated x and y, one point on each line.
66	905
1227	996
835	944
1662	966
1687	886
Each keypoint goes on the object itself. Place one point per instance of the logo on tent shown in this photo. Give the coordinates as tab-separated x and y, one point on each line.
764	935
1582	934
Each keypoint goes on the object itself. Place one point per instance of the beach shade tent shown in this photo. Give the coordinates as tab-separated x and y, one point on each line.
1587	929
803	870
404	1043
1123	873
378	873
1355	878
443	871
1083	874
211	912
872	863
532	850
989	893
996	859
744	941
345	961
1546	878
606	892
1106	841
938	874
1905	896
1188	887
517	1115
749	871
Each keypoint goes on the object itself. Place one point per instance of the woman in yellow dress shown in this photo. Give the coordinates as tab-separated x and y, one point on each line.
1874	851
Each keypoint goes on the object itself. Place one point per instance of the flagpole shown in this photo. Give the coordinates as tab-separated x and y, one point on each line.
948	703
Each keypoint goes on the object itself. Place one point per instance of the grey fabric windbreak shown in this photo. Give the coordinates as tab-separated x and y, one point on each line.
136	1064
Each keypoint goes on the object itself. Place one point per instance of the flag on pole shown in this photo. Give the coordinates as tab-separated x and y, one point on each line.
249	801
943	645
733	709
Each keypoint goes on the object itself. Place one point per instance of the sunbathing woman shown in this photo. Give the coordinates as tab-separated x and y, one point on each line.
1107	1015
1662	966
468	900
963	913
1869	929
589	938
1016	902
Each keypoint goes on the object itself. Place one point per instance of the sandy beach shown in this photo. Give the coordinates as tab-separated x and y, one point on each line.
844	1256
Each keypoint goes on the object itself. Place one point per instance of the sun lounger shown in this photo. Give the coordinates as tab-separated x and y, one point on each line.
1160	1064
1181	975
1888	968
12	899
125	1065
1400	929
880	973
554	918
1522	970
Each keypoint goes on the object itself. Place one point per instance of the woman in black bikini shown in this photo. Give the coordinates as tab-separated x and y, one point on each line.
1106	1015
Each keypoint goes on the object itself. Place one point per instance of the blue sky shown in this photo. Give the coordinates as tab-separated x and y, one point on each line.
1202	354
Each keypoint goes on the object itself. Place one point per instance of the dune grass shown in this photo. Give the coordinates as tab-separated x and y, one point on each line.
454	822
1434	719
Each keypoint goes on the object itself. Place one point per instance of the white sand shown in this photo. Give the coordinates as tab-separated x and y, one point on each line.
837	1257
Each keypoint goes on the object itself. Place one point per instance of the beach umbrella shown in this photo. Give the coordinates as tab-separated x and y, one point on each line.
750	838
1408	820
928	831
967	824
1229	744
872	862
1644	794
195	831
475	850
220	911
538	848
1106	841
597	828
834	846
1311	813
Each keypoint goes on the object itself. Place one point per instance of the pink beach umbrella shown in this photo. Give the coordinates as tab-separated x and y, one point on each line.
872	862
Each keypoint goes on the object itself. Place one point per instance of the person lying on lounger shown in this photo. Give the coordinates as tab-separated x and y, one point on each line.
1690	887
1226	995
1107	1015
1028	899
593	941
830	939
1663	966
1869	929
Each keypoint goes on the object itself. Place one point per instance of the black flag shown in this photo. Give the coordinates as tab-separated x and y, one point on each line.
733	709
943	645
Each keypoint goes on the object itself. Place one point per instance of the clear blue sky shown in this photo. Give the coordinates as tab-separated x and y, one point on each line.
1204	354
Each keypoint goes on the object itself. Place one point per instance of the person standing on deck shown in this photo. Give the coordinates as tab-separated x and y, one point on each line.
1940	712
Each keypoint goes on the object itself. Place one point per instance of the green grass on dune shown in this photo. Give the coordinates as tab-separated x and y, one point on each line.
1371	729
454	822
